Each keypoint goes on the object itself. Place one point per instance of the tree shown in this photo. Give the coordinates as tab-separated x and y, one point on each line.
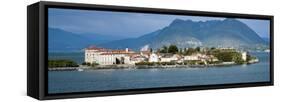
228	56
158	50
164	49
61	63
249	58
197	49
84	63
94	64
237	58
190	51
180	51
151	50
224	56
173	49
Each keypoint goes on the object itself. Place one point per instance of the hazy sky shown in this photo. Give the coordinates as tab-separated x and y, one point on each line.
128	24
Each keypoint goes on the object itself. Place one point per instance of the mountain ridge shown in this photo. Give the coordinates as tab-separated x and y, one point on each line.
63	41
187	33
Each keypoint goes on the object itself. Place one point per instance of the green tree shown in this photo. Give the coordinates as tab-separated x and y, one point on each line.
180	51
224	56
249	58
94	64
61	63
173	49
151	50
190	51
237	58
213	48
197	49
164	49
228	56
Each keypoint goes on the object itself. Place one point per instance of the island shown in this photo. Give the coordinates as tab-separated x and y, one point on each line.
165	57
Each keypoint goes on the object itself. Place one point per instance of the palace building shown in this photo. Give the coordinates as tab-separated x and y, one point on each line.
104	56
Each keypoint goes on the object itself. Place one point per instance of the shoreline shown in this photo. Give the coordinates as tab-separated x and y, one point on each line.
142	67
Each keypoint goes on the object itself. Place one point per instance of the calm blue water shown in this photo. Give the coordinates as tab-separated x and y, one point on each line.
114	79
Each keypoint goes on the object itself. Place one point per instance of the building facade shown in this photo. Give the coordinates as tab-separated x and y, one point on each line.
103	56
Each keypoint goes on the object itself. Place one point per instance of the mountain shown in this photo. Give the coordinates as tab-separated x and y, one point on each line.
101	38
60	40
266	39
187	33
133	43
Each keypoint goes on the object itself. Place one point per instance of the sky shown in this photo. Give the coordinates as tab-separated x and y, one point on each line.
126	24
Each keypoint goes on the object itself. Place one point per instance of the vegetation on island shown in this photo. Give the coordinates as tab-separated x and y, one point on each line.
170	49
90	64
155	63
61	63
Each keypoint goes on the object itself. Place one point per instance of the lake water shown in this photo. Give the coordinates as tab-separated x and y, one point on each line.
116	79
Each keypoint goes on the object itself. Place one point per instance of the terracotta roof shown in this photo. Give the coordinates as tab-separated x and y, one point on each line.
94	48
110	53
105	51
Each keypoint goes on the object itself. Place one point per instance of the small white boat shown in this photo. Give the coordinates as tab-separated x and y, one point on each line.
80	70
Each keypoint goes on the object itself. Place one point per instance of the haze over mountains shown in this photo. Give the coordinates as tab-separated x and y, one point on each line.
183	33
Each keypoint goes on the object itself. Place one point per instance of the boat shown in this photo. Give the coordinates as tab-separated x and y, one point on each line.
80	69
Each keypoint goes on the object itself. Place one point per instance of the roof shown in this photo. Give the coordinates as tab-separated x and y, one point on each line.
113	53
107	50
166	55
95	48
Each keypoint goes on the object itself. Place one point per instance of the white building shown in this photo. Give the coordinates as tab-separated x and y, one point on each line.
201	57
106	56
91	54
244	56
137	58
169	58
153	58
191	57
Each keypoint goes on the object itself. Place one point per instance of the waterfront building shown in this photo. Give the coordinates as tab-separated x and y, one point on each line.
153	58
104	56
169	57
244	56
191	57
138	58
